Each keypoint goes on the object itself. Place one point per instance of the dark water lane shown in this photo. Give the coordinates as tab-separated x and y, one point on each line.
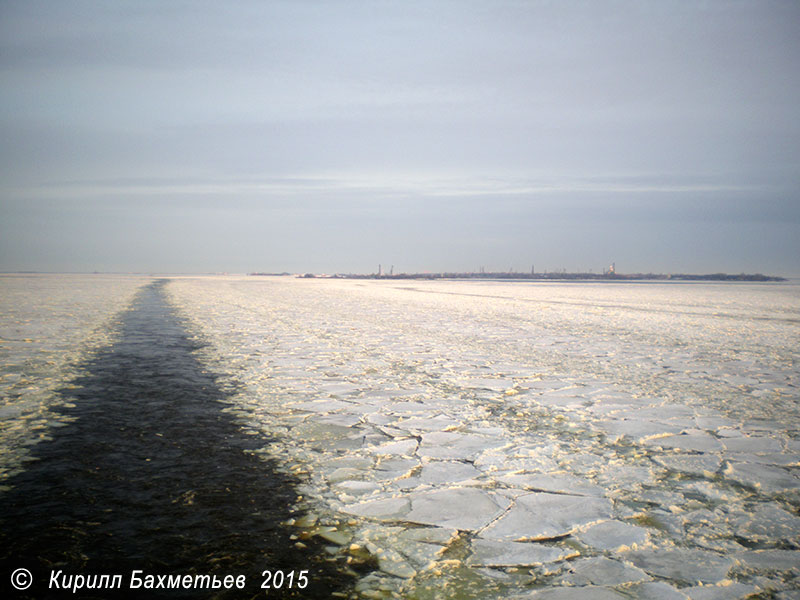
153	475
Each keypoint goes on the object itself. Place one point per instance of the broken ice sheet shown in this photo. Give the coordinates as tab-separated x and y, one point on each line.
770	560
388	509
600	570
400	550
447	472
661	497
344	474
422	408
392	562
698	441
416	372
402	448
664	520
725	591
338	388
625	476
662	412
343	420
613	535
690	566
700	465
580	462
561	484
455	508
496	385
636	429
450	444
709	491
708	522
752	444
423	424
541	516
325	436
767	523
770	480
588	592
357	488
497	460
321	406
490	553
655	590
393	467
429	535
715	422
420	555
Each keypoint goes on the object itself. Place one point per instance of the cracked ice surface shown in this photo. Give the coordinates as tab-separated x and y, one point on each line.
526	440
48	325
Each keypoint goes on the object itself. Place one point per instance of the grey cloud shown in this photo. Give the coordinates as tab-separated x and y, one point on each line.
356	129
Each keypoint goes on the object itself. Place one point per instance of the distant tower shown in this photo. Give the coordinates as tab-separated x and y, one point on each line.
391	271
612	269
380	271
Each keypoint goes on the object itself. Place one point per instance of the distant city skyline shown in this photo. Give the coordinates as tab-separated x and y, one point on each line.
432	136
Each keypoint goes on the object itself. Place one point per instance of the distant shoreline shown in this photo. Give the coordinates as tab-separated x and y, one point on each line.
511	276
495	276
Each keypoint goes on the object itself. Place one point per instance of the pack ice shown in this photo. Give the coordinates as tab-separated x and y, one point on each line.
525	440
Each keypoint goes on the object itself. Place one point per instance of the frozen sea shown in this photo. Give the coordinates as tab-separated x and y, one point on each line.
483	439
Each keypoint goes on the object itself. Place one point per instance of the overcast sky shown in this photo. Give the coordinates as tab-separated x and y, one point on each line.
433	135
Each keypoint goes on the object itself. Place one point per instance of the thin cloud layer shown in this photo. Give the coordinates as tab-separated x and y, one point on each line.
433	136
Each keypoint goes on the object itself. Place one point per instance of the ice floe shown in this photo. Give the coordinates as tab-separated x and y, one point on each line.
454	445
541	516
765	478
589	592
699	465
613	536
560	484
602	571
467	509
683	565
767	523
655	590
491	553
731	591
699	441
769	560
